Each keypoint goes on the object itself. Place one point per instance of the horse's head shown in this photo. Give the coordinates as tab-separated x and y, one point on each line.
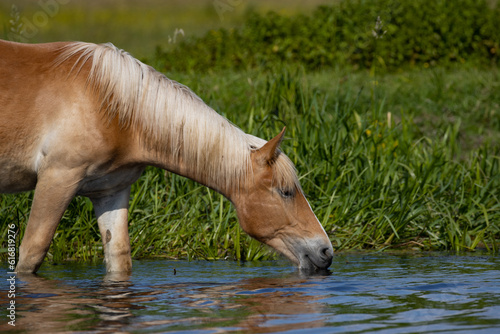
272	209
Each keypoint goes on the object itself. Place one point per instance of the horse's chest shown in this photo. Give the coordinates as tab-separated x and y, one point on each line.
99	185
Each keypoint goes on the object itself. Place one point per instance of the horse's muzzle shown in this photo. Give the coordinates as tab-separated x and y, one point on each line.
316	255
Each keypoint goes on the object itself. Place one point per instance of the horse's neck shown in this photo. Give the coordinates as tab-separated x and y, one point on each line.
178	131
205	153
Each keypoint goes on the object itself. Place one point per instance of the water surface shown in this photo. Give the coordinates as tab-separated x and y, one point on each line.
364	293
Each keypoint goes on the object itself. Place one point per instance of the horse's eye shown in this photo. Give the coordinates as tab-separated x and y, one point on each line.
286	193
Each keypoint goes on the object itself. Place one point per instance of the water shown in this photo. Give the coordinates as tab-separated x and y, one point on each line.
364	293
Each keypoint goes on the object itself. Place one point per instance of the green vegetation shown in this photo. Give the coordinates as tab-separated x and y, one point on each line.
397	144
359	33
138	26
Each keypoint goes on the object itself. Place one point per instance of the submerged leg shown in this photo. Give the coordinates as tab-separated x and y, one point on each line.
54	190
112	217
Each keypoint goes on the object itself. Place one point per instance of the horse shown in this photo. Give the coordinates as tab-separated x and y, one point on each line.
82	119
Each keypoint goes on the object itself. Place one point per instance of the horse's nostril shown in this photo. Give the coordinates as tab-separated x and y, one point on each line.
326	252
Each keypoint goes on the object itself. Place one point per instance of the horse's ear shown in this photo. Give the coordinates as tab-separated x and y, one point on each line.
270	151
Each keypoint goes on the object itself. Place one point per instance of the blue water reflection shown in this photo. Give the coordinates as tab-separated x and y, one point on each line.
363	293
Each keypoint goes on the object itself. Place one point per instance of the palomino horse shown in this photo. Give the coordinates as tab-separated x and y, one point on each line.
85	119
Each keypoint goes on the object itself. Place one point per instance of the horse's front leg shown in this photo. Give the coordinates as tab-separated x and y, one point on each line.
112	217
54	190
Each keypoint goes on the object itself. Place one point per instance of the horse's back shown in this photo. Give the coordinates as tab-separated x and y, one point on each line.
26	71
21	62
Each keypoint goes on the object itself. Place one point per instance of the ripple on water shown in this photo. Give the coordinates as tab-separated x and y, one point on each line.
364	293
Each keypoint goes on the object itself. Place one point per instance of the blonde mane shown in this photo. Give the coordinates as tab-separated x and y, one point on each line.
171	116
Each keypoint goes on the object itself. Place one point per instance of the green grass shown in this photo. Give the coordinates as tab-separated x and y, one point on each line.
388	159
380	165
374	172
140	26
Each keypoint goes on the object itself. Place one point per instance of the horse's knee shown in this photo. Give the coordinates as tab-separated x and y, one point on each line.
121	263
29	264
117	256
27	268
31	257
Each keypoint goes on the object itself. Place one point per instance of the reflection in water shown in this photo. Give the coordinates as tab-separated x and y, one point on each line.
396	294
47	305
265	304
116	303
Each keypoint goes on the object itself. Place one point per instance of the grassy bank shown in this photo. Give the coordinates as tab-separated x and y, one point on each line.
384	161
389	156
